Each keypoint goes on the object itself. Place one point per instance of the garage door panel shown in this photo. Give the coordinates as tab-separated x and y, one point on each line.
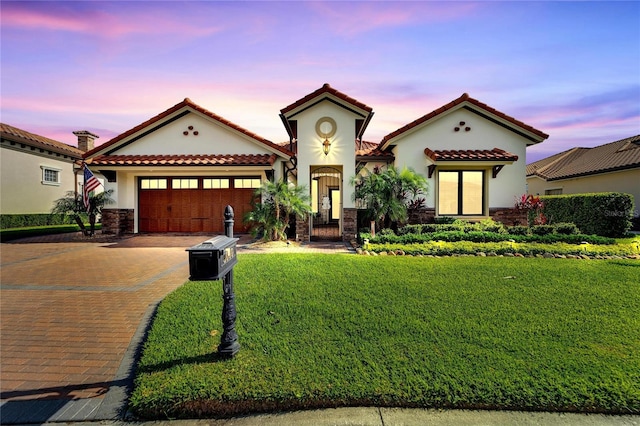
191	210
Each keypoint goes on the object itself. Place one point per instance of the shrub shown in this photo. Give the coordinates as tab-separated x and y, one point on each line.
35	219
387	231
444	220
566	228
489	225
410	229
607	214
518	230
542	229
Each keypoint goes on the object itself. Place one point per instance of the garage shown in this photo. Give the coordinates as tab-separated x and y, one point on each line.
193	204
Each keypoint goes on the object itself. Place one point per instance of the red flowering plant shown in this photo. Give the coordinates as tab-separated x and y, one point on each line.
533	206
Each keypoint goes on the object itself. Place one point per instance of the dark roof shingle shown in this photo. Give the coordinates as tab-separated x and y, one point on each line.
619	155
10	132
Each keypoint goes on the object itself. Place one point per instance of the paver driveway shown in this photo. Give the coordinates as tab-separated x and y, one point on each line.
69	311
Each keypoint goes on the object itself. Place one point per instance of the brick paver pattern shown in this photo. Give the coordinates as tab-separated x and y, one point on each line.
68	312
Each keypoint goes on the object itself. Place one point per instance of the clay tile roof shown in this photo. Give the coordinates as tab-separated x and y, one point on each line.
187	103
184	160
619	155
22	136
326	88
464	98
371	151
495	154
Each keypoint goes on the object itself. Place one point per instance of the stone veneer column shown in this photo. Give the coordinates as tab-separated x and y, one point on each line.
117	221
302	229
349	224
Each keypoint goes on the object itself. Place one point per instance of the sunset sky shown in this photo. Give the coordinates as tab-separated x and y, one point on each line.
570	69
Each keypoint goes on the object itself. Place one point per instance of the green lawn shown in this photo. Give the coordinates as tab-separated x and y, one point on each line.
338	330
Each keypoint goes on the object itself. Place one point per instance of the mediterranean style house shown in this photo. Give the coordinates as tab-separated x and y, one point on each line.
177	171
34	171
612	167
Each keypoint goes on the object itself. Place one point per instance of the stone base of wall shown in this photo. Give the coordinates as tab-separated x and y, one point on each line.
349	224
117	221
421	216
302	229
509	216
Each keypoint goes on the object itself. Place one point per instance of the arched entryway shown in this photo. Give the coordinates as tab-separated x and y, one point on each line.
326	204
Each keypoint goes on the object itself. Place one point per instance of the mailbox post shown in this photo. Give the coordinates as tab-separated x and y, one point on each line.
213	260
229	345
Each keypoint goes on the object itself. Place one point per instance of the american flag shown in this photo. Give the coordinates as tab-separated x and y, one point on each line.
90	183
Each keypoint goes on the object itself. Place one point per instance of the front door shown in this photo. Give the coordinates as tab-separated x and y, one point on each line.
326	203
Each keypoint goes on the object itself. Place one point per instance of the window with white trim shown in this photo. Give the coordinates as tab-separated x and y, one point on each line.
184	183
146	183
215	183
50	175
246	183
461	192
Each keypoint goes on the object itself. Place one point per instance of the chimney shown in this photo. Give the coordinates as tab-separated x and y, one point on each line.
85	140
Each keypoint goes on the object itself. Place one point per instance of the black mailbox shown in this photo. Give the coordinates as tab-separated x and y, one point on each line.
212	259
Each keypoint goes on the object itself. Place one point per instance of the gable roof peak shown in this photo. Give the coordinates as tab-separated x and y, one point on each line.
176	108
323	91
532	133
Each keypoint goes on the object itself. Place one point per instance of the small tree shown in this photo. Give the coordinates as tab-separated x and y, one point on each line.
278	201
71	204
388	194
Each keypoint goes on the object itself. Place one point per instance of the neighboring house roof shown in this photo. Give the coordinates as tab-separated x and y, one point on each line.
474	105
184	160
31	139
575	162
186	103
495	154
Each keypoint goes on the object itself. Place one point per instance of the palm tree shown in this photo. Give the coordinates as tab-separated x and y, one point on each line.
387	193
280	200
71	204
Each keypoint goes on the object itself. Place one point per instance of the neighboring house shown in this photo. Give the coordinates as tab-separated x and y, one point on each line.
177	171
612	167
34	171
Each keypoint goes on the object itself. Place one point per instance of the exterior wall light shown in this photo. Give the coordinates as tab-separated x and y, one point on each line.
326	145
326	128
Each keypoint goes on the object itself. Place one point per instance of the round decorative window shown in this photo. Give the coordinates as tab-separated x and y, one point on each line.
326	127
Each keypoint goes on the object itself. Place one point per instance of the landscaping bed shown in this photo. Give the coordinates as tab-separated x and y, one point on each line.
339	330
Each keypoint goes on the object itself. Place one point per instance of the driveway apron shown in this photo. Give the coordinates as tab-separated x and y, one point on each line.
68	314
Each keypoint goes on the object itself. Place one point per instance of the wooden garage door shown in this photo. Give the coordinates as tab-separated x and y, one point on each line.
177	204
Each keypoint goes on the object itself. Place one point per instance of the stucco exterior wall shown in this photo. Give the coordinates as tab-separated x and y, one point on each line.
23	190
342	151
626	181
212	137
439	134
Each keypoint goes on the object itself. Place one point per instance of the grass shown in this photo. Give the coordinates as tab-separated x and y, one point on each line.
339	330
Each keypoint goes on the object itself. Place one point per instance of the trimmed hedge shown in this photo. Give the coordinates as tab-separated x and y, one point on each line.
607	214
17	233
485	237
36	219
443	248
